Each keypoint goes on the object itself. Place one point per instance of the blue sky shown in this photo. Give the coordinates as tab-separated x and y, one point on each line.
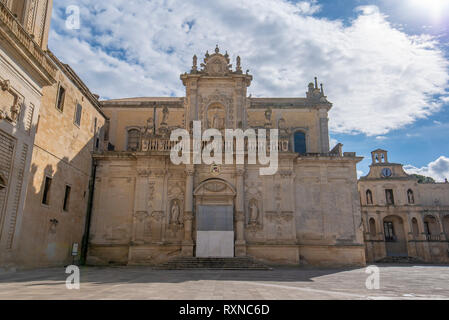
384	63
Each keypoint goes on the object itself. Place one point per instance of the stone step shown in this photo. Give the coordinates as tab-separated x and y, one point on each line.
400	259
190	263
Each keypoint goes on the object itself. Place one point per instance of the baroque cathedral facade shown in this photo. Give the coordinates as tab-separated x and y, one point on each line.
83	179
147	210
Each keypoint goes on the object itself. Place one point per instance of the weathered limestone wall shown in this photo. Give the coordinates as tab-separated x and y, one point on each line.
17	136
434	194
62	152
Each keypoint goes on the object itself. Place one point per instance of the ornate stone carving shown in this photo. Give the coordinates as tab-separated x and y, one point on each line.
253	211
215	186
12	110
217	98
175	212
216	64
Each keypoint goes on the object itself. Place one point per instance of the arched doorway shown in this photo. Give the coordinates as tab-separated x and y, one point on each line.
431	228
395	240
214	219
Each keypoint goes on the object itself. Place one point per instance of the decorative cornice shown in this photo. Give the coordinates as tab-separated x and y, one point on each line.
24	45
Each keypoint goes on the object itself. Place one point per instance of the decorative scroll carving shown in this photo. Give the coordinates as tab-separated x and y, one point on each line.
12	102
215	186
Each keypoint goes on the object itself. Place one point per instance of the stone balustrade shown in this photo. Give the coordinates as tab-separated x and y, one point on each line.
12	27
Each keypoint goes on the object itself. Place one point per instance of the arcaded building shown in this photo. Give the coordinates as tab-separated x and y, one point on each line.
147	210
403	218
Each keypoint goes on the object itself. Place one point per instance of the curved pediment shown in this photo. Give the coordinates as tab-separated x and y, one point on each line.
214	187
216	64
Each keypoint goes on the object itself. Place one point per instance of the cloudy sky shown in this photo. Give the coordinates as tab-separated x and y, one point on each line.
384	63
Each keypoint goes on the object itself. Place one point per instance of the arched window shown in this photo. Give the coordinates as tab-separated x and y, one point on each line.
369	197
300	142
410	196
133	140
415	228
372	227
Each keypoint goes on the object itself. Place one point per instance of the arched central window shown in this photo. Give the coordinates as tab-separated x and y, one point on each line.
133	140
300	142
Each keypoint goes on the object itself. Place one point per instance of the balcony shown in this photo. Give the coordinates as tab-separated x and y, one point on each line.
18	38
433	237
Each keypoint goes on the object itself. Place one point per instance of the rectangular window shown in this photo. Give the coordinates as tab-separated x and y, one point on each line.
78	112
389	196
60	98
68	190
46	196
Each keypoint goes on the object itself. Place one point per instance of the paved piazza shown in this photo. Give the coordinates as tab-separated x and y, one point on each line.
396	282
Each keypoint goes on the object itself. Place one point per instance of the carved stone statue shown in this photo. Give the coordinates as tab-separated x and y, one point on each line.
165	113
268	115
175	212
253	213
239	65
149	129
195	64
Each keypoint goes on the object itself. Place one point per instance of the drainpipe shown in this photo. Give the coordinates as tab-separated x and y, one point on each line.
85	241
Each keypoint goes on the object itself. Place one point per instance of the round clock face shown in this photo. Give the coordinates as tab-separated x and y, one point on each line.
386	172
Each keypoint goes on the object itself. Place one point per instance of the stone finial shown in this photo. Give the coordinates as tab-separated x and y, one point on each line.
239	64
195	64
217	49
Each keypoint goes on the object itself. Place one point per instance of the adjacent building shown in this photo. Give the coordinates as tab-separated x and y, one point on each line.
401	217
25	69
50	123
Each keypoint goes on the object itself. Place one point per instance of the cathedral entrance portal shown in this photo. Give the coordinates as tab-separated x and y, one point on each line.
214	216
215	232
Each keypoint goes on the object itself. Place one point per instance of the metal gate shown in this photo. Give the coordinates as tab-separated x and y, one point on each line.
215	232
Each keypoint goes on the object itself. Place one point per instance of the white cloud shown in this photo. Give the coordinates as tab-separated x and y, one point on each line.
359	174
378	77
438	169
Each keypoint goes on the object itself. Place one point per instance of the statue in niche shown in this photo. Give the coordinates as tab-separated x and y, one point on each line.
217	123
253	213
175	213
216	118
165	113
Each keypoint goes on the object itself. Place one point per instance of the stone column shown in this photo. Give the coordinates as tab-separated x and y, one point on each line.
324	130
440	222
187	244
240	243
